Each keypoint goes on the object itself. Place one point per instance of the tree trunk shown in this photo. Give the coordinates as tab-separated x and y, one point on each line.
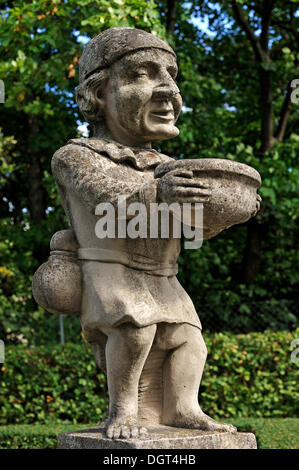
36	192
253	249
260	45
266	106
171	16
284	114
252	255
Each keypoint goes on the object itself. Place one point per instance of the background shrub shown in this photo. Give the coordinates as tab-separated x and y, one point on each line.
47	382
245	375
250	375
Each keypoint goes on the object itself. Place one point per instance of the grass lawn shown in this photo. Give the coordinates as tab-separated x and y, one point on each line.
271	433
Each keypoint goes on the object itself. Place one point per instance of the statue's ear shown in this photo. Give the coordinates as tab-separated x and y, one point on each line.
90	97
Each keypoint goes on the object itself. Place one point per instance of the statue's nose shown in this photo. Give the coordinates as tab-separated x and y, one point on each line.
165	92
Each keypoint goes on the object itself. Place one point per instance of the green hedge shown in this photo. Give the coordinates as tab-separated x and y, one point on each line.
245	375
48	382
278	433
35	436
251	375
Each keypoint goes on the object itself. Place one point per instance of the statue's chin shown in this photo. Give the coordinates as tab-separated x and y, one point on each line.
138	135
162	133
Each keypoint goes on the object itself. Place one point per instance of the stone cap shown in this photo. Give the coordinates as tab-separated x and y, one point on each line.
112	44
64	240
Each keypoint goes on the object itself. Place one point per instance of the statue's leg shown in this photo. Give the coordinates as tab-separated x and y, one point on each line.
126	351
183	370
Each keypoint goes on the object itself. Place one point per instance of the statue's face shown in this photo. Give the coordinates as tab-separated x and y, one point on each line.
141	100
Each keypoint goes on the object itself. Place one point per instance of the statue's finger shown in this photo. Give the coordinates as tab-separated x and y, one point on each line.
191	182
197	199
179	172
187	191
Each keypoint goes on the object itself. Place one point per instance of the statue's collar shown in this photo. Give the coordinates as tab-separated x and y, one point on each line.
140	157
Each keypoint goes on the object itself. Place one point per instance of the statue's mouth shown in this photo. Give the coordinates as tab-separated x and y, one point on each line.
163	111
163	115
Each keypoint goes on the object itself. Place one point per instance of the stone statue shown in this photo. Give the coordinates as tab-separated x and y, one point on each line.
142	326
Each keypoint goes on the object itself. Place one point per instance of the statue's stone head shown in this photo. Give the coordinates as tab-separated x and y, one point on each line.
127	86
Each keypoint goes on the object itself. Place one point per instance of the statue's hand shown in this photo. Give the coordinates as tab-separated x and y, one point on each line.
179	186
257	205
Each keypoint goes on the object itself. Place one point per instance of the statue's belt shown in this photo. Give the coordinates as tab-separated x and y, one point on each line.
131	260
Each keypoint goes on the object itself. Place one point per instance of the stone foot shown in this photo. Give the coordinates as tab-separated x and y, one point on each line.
124	428
202	422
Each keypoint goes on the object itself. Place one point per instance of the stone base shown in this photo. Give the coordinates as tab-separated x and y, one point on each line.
160	437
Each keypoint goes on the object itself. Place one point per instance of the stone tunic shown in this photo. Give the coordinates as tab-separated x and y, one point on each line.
124	279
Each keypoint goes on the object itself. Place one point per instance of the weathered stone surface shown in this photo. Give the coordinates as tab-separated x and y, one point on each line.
233	188
115	43
163	437
56	285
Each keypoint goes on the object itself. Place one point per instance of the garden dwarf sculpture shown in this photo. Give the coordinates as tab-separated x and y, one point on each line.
141	324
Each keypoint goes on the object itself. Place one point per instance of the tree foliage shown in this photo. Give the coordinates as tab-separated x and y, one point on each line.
235	76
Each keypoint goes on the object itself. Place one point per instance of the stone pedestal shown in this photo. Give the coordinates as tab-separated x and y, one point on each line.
160	437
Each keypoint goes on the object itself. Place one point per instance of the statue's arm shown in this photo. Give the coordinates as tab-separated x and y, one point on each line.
88	177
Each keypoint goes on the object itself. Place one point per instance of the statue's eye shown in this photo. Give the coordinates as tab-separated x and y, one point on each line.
141	73
172	72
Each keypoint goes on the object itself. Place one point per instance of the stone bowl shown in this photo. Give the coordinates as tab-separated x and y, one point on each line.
233	185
